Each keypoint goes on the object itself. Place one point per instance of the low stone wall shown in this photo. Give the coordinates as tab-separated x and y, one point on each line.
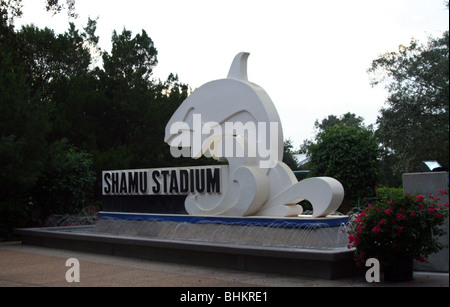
315	263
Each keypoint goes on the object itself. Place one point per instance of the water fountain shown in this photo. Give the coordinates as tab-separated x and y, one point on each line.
294	233
311	248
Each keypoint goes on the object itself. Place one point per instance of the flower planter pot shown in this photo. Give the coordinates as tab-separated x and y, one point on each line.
400	269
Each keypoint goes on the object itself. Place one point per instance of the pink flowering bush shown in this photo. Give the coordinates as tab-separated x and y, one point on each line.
407	225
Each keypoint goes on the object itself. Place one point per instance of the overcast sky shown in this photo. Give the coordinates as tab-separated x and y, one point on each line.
311	57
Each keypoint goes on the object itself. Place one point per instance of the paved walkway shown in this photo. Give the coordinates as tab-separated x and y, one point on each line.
23	266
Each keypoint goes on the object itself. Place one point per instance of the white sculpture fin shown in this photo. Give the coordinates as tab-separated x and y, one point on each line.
324	193
238	69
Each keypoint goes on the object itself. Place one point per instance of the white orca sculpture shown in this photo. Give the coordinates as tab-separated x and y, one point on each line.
234	120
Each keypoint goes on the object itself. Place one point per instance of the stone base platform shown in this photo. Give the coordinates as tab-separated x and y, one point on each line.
148	239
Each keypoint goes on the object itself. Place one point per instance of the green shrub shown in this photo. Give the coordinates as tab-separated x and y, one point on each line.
390	193
13	214
66	186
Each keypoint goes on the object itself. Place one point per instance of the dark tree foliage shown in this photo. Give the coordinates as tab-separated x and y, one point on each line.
14	7
64	118
288	155
414	124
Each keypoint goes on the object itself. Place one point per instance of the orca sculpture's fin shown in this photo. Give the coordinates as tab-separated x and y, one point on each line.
238	69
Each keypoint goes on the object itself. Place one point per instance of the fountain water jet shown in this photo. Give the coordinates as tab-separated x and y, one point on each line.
287	233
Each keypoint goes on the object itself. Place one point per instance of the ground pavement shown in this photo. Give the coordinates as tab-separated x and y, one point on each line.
30	266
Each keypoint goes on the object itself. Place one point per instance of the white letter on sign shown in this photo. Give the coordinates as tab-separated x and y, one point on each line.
73	274
373	274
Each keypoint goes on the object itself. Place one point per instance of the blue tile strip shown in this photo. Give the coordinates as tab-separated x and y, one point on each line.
301	222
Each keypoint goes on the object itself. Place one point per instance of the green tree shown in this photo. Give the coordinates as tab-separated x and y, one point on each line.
23	129
348	153
53	59
63	118
168	97
131	59
414	126
347	119
14	7
288	155
125	81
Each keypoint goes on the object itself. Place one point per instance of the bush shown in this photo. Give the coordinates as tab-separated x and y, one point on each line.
66	186
405	225
390	193
13	214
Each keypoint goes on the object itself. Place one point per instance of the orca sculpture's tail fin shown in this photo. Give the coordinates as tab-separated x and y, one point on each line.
238	69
